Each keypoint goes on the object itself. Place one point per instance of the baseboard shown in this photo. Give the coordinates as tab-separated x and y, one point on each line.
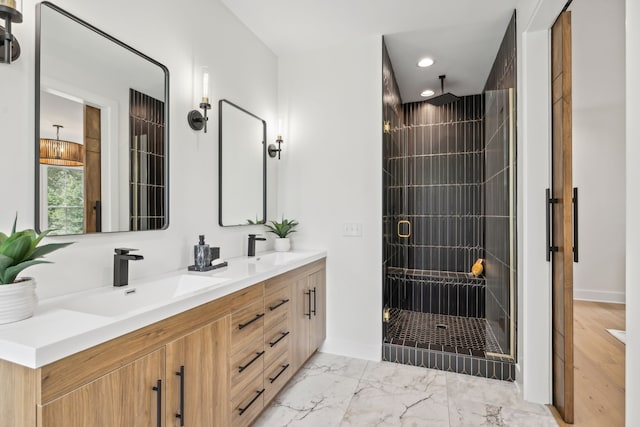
352	349
599	296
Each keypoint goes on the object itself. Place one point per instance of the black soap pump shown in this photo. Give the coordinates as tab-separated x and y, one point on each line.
201	254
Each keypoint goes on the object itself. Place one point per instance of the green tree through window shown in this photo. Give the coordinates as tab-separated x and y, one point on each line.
65	199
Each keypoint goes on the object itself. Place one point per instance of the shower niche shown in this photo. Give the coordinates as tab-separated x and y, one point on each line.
449	200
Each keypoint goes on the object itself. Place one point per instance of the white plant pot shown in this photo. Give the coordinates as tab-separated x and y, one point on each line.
18	300
282	244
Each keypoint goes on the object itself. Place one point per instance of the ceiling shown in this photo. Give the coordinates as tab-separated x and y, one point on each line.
462	36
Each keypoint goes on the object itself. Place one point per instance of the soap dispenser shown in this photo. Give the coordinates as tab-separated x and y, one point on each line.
201	254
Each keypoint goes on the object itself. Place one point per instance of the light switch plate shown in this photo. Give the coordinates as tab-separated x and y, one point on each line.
352	229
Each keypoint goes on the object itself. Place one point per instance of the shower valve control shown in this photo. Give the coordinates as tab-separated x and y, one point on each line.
352	229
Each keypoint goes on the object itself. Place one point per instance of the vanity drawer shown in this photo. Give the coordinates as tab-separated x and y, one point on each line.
276	376
248	404
246	325
277	300
246	366
276	341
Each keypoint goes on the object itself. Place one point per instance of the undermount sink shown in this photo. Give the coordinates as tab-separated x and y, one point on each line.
115	301
278	258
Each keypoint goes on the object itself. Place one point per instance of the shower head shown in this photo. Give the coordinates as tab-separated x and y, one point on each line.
445	98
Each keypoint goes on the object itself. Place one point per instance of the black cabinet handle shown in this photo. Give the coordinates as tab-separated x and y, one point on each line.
284	368
180	415
242	368
315	305
258	393
308	294
283	334
549	201
575	224
158	389
284	301
244	325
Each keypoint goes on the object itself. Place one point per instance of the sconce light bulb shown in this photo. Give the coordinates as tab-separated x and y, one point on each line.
205	86
280	128
9	3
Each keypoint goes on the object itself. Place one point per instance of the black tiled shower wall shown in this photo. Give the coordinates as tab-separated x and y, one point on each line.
498	188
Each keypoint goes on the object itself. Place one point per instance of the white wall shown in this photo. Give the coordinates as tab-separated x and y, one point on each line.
242	70
599	147
632	370
331	173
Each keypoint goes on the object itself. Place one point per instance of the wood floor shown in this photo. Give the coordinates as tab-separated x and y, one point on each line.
599	365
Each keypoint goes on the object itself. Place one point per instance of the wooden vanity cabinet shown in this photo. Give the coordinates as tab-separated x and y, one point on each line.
218	364
197	377
310	313
129	396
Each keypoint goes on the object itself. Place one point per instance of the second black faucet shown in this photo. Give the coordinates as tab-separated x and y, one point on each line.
251	248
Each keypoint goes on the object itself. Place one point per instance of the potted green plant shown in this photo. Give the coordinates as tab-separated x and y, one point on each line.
19	251
282	229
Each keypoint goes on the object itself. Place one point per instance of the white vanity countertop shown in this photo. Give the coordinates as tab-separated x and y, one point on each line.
66	325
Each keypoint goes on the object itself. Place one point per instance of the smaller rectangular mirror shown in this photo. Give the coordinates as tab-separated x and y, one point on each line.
243	166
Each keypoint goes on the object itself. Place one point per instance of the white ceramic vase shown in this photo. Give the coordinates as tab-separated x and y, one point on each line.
282	244
18	300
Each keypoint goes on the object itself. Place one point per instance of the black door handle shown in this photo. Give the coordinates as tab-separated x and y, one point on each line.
258	393
549	202
575	224
282	302
180	415
158	389
242	368
244	325
308	294
315	301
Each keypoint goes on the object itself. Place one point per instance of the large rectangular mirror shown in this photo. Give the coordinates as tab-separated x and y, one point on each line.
102	138
243	166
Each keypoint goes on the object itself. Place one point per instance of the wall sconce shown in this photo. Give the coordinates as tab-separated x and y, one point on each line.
272	147
59	152
10	49
196	120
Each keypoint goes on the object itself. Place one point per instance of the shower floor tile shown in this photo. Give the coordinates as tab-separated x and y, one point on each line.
462	335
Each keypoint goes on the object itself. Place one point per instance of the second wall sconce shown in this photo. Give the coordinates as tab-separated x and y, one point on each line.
272	147
9	47
197	120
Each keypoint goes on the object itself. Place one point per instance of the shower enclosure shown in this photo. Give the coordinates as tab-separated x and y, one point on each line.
449	200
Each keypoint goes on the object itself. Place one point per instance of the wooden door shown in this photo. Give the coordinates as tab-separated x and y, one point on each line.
197	366
92	171
318	331
124	397
301	320
562	221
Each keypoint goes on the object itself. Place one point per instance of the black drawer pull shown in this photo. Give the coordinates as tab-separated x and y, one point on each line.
244	325
284	301
258	394
158	389
315	301
242	368
284	368
180	415
283	334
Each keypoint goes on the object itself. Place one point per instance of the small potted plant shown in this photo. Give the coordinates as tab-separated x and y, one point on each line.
282	229
18	251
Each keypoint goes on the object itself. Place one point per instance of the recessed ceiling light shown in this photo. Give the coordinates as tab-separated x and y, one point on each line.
427	93
425	62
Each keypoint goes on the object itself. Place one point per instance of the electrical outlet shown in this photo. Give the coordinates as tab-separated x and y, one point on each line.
352	229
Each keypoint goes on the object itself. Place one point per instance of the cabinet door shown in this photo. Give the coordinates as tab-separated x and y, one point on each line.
197	376
300	345
318	327
124	397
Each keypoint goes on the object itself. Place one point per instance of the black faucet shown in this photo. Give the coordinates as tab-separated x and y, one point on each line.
252	244
121	265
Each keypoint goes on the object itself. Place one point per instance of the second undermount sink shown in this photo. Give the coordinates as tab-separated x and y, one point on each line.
113	302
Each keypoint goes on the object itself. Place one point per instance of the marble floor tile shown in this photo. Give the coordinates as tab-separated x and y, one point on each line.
465	413
336	391
382	404
313	400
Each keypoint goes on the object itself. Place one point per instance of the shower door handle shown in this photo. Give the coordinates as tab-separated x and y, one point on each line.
549	202
575	224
